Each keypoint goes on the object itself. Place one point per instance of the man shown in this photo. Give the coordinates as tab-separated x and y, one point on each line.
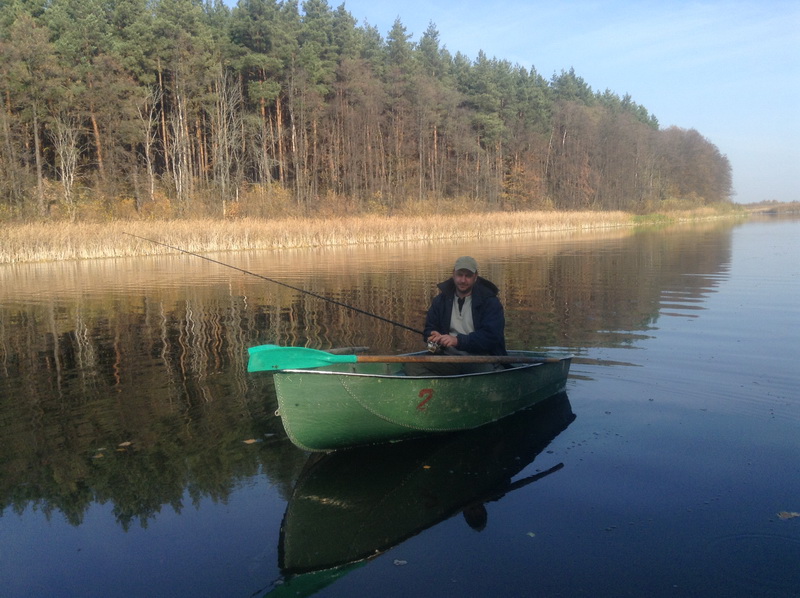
467	316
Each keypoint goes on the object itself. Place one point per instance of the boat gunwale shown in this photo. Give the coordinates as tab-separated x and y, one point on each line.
514	367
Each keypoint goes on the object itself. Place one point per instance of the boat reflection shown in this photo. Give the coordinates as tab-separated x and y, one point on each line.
350	506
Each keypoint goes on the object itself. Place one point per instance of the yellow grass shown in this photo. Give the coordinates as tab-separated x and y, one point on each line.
40	242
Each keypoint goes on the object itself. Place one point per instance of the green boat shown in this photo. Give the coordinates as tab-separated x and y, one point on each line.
358	400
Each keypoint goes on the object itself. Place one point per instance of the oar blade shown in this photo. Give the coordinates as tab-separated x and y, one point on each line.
270	358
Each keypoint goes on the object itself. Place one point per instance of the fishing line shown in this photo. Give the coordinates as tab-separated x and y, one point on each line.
283	284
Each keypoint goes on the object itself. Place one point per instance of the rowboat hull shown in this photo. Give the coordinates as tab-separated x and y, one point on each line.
340	406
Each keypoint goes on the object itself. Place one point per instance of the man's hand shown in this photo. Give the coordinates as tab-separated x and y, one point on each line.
443	340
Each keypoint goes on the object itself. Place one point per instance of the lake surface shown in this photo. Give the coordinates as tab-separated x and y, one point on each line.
138	458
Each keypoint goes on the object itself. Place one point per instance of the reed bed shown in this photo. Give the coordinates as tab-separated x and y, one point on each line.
41	242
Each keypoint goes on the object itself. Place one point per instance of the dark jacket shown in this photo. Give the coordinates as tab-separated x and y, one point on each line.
487	315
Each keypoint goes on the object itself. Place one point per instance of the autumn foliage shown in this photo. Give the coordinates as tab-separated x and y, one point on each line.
169	108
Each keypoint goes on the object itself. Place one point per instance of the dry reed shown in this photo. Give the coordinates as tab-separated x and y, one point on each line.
40	242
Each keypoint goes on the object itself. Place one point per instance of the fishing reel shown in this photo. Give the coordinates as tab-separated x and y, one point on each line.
434	348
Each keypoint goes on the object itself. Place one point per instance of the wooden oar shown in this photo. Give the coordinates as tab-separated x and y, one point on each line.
274	357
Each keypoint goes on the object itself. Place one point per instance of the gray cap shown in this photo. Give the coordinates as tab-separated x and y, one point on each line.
466	263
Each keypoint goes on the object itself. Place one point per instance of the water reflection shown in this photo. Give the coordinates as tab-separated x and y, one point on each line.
153	351
354	505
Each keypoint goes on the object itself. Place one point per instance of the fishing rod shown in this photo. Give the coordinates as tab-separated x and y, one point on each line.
283	284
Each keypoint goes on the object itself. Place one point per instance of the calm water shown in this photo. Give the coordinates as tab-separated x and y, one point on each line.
137	458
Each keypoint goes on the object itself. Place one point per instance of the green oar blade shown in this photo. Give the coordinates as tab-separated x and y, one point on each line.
270	358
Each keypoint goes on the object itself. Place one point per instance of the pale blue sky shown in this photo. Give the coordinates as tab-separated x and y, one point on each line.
728	68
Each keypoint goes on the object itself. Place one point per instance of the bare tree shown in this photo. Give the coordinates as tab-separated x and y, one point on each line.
226	131
65	135
149	115
179	149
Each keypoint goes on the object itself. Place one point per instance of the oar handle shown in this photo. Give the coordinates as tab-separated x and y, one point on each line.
453	359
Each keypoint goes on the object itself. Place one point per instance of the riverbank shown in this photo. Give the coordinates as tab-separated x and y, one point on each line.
43	242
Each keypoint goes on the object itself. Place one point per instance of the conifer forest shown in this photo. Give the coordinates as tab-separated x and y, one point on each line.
170	108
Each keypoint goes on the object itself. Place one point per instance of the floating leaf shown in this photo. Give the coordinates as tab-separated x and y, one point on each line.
788	514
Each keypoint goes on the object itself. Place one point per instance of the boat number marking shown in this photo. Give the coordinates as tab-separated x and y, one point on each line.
428	394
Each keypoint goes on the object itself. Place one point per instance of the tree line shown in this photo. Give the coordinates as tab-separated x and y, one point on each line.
192	107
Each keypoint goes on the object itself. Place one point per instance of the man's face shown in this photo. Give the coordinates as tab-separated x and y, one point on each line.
464	280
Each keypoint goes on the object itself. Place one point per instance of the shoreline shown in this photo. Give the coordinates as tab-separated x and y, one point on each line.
64	241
